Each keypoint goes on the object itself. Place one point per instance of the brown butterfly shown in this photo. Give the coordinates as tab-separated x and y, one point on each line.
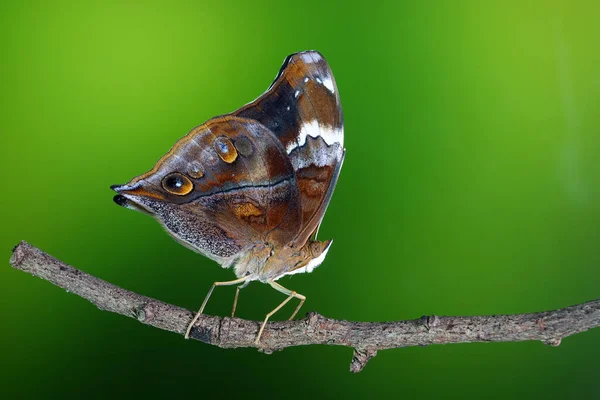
249	189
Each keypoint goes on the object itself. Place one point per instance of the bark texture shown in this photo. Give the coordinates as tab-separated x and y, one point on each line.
366	338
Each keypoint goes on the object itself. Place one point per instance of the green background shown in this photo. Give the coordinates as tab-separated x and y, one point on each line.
470	186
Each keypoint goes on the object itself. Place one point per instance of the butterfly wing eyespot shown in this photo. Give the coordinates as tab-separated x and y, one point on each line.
195	172
225	149
243	146
178	184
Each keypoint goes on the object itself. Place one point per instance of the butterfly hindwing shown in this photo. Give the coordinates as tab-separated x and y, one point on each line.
302	108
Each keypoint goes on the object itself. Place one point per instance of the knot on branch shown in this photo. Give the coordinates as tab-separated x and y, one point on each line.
360	358
313	318
552	342
144	313
18	254
430	321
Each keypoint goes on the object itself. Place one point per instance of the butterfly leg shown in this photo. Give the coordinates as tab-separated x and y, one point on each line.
199	313
283	290
291	294
237	294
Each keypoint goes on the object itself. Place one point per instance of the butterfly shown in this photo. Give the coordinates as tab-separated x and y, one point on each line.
249	189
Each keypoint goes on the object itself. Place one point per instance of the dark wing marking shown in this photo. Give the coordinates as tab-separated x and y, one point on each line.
302	108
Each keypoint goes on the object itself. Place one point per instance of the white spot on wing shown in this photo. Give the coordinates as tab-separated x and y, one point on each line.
310	57
328	83
329	134
320	156
313	57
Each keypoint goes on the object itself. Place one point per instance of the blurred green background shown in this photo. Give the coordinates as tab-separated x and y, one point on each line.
470	186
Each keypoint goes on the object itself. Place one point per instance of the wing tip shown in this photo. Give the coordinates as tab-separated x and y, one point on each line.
305	56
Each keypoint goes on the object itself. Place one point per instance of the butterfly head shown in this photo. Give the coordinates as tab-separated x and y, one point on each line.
186	191
152	192
165	192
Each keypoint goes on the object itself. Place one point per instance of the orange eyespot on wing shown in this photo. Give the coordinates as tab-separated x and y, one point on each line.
225	149
195	172
178	184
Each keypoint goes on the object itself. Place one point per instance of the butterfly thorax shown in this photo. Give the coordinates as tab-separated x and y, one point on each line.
264	261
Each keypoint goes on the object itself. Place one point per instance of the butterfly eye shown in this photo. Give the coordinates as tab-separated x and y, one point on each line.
225	149
177	183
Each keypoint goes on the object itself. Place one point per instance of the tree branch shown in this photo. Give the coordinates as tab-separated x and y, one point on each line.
365	337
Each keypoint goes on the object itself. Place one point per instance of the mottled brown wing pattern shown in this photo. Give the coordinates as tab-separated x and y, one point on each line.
262	174
302	108
244	188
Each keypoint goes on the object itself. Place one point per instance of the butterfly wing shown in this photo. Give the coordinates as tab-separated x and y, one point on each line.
302	108
265	172
243	189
